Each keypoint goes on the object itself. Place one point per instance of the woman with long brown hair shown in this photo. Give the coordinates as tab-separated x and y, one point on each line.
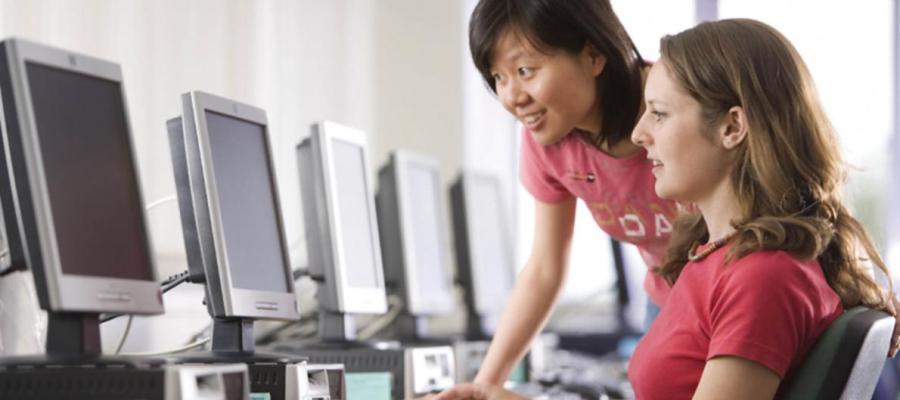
772	256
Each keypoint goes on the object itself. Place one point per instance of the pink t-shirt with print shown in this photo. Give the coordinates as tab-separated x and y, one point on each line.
618	191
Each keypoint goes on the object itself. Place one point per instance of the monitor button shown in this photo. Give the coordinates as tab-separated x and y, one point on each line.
268	306
114	297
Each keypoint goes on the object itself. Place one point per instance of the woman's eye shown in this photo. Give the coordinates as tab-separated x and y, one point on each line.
657	116
524	71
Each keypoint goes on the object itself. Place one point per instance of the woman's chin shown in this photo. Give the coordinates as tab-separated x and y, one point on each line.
664	192
546	138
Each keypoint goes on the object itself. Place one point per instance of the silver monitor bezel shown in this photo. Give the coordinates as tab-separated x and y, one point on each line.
435	303
72	293
238	302
482	305
352	300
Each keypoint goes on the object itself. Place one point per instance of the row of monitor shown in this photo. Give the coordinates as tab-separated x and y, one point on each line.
74	215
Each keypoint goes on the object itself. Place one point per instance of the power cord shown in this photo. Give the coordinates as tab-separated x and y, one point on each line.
166	285
299	273
182	349
306	320
395	307
125	334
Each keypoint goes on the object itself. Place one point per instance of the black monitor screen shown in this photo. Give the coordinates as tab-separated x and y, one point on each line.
246	196
426	229
353	214
90	176
489	255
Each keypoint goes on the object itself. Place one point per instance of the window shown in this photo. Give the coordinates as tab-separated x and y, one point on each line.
848	49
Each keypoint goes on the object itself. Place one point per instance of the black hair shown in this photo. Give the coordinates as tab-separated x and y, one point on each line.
568	25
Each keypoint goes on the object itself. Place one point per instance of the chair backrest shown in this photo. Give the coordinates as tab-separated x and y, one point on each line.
846	361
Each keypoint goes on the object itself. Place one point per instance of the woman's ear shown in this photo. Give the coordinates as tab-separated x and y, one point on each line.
734	128
596	60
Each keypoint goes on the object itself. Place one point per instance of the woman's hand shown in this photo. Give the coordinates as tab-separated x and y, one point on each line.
475	391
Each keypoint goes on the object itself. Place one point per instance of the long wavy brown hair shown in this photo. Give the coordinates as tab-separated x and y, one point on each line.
788	171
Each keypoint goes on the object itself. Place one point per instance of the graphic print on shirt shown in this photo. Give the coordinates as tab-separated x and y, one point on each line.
635	221
588	177
618	192
624	215
660	220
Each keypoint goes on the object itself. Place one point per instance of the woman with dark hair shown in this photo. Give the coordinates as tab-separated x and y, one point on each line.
570	73
772	256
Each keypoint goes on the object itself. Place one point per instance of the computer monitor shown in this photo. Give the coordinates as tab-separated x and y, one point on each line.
339	212
417	257
71	193
6	265
230	211
484	257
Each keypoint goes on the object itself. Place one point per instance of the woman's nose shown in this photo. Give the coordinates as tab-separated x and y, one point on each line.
512	95
639	135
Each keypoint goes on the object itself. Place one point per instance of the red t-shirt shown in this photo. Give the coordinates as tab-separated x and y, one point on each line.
768	307
619	192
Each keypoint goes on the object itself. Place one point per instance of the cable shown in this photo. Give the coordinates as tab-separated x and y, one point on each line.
384	321
125	334
272	334
172	351
166	285
161	201
174	280
299	273
312	329
307	329
206	331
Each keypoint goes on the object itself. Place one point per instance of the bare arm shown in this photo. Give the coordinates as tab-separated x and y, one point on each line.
736	378
534	292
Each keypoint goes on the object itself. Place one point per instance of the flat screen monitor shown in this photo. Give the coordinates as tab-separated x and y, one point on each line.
483	245
69	183
6	265
231	215
339	213
410	213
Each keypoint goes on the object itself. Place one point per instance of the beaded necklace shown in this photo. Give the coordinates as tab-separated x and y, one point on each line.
710	247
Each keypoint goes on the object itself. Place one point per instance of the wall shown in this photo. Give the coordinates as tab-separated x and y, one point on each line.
389	67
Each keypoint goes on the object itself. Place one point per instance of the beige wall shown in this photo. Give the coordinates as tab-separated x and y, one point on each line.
389	67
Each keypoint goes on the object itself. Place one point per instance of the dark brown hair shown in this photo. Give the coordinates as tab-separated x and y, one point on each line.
568	25
788	171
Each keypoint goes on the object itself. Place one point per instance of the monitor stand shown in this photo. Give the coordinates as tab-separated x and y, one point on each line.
233	342
73	339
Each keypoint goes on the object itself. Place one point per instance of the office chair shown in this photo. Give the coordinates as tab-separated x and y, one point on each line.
847	360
